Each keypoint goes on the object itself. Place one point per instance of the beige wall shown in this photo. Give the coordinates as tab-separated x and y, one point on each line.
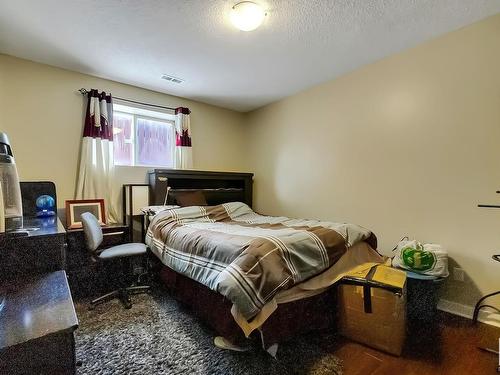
406	146
42	112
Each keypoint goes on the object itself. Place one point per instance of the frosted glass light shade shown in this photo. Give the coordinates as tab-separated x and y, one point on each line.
247	16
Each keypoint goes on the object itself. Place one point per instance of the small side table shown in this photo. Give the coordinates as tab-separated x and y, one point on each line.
423	296
36	326
134	197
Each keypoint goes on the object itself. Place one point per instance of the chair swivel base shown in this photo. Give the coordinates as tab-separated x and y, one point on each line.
123	294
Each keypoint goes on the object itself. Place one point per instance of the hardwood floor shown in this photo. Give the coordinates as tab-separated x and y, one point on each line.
450	347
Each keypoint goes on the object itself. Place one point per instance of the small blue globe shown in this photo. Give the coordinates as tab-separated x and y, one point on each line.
45	206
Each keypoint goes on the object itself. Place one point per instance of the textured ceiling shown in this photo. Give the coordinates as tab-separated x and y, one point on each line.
301	43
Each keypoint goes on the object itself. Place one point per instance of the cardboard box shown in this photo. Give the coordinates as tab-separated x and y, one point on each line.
372	308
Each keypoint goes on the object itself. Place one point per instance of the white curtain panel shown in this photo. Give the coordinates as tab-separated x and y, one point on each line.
183	157
183	148
96	175
97	167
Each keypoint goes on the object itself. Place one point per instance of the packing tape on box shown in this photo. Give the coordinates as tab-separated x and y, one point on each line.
378	276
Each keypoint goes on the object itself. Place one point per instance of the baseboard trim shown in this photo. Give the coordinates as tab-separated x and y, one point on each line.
455	308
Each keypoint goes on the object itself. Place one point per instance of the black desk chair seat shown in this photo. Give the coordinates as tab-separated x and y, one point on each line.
479	304
94	238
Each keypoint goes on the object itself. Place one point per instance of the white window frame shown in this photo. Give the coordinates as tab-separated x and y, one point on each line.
142	113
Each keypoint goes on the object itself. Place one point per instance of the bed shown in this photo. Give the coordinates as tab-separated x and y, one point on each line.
248	274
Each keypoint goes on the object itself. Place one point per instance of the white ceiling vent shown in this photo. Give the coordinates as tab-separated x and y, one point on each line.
172	79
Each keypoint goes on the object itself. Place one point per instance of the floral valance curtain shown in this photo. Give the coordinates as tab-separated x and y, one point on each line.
96	173
183	149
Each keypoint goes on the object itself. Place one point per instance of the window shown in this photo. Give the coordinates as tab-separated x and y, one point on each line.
143	137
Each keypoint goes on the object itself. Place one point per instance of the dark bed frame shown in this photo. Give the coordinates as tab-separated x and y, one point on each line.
289	320
217	187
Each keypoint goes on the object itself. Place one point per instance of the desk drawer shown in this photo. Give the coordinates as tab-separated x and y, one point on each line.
32	255
113	238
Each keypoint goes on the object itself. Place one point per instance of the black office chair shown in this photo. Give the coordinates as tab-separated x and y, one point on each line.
479	304
94	237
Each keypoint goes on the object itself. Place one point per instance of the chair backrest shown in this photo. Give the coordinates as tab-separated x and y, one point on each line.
92	230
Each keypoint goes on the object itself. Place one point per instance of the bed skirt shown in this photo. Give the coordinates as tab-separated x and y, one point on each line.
289	320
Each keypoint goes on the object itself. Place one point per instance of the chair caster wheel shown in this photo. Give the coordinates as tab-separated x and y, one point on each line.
127	303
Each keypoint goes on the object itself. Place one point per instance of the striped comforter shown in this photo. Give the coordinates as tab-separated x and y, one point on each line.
245	256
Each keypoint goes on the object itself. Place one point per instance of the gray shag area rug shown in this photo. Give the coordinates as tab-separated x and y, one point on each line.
160	336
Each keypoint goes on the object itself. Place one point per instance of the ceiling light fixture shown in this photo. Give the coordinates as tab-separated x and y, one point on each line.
247	15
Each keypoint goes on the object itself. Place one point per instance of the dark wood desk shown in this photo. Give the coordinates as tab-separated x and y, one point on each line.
37	325
86	278
41	250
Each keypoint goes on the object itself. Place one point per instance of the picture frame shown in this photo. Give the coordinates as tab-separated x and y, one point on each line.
76	207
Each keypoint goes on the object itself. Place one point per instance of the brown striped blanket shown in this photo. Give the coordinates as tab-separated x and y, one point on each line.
245	256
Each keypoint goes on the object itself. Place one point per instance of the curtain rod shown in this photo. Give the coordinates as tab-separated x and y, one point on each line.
85	92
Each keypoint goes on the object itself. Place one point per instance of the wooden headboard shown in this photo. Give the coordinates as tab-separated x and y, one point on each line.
217	187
